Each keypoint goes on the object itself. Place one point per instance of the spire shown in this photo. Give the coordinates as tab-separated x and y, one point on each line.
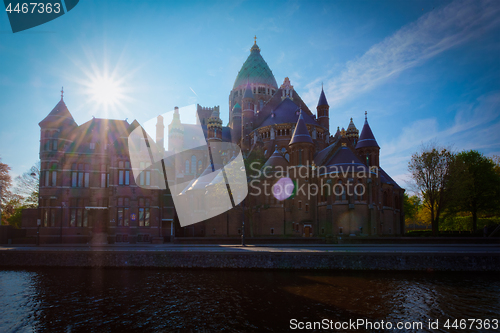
301	133
255	47
366	139
322	98
59	116
351	129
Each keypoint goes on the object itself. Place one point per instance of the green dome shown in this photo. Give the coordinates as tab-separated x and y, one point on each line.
255	71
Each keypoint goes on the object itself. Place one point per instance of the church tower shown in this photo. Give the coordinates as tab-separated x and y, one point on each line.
301	144
257	73
214	127
54	129
160	134
367	147
323	111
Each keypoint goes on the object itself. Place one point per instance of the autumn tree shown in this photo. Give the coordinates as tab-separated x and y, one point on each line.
27	186
5	183
430	169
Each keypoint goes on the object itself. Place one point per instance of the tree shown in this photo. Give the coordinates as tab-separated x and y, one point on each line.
479	189
430	169
5	183
411	205
27	186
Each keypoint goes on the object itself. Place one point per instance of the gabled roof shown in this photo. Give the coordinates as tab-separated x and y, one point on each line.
255	71
301	133
286	112
59	116
366	139
386	179
322	155
322	98
100	131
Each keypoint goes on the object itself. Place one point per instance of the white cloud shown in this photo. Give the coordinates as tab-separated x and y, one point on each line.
432	34
475	126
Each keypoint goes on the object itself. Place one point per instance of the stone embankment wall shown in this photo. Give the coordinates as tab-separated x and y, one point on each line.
254	260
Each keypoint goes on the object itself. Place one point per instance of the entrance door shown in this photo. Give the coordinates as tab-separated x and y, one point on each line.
307	231
98	218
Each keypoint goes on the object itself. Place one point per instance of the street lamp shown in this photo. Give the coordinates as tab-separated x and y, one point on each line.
243	227
38	223
63	204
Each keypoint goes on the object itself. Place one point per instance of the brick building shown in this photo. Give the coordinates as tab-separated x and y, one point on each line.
87	187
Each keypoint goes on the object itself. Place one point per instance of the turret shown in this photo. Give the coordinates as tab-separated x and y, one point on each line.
55	126
352	133
323	111
367	147
175	133
160	134
214	127
301	144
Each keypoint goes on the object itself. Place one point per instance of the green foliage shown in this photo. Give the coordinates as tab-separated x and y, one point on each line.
15	218
465	223
477	189
411	206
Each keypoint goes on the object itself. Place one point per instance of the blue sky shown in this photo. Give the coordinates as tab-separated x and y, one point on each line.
424	70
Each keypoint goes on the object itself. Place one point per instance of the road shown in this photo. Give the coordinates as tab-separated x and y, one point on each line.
323	248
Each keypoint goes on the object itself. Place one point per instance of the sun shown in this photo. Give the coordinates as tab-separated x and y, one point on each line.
106	91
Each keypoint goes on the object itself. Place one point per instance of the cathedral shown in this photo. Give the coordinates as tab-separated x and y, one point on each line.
340	188
88	187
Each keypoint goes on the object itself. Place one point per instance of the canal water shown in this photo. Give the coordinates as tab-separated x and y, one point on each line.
141	300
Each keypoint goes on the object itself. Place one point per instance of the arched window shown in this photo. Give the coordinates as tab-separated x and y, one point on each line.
283	150
193	164
187	166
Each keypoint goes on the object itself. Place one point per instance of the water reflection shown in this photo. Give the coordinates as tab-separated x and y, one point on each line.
75	300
